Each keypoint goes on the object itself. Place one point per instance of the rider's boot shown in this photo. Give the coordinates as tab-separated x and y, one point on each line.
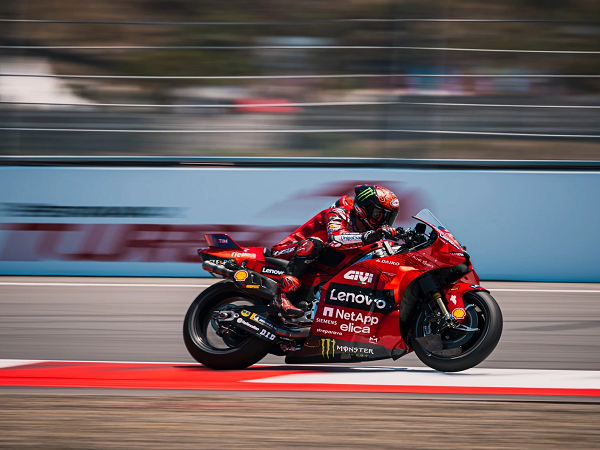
281	303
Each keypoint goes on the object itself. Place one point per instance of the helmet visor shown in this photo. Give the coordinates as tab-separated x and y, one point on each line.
379	217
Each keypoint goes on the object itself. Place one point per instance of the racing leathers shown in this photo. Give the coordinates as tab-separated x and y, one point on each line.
335	227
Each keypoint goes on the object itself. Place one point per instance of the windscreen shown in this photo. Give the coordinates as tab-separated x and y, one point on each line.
427	216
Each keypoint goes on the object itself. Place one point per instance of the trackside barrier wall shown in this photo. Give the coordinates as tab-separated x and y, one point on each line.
517	225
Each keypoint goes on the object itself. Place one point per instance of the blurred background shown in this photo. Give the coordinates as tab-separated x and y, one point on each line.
383	78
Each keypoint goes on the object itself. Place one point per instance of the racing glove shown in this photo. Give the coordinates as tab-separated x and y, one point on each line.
368	237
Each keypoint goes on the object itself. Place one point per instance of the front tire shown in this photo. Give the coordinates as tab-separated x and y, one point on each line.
463	349
236	351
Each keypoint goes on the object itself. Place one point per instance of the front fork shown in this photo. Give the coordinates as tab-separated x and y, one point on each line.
446	320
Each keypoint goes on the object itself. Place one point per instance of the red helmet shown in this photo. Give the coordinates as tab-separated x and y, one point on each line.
375	206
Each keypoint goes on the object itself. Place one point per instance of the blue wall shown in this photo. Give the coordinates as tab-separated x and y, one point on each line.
517	225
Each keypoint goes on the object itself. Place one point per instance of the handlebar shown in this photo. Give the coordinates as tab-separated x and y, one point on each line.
410	237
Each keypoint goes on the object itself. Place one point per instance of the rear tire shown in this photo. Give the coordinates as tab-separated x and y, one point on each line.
483	313
236	351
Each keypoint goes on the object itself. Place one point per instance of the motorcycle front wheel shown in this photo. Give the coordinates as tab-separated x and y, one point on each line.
462	349
236	350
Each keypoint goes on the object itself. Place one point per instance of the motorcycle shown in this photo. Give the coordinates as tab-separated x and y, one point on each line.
417	292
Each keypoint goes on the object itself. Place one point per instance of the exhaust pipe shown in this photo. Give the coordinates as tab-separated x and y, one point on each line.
218	269
283	332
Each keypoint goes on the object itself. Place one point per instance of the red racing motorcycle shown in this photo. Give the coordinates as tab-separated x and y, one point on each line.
417	293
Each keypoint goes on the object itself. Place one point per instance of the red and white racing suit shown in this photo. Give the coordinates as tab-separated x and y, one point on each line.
335	227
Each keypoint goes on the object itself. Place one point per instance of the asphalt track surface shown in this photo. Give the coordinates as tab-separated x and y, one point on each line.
546	326
553	327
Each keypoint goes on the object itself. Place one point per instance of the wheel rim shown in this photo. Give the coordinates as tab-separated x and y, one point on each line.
477	317
203	328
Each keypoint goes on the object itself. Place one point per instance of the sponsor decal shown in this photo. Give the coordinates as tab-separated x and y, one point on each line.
110	242
354	351
360	277
261	320
338	214
46	210
447	237
457	253
328	348
271	271
373	340
241	254
245	313
456	287
387	261
356	316
348	297
475	286
270	336
327	321
251	286
247	324
219	261
284	251
352	328
335	333
365	194
395	203
453	299
240	275
423	261
222	241
459	313
351	319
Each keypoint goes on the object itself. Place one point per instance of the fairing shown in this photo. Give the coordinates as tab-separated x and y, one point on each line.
361	290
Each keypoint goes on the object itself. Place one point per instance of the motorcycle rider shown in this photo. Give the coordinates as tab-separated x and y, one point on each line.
348	224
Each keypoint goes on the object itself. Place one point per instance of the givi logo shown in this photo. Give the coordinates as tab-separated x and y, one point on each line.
361	277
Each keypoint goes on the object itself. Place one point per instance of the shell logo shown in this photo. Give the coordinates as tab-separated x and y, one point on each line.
241	275
459	313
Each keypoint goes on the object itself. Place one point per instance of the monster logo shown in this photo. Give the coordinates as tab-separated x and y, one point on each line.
326	346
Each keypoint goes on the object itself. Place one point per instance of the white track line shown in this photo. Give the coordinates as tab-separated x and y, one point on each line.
405	376
484	378
6	363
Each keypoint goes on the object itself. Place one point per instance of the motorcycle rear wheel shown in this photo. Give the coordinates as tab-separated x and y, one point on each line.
482	312
235	351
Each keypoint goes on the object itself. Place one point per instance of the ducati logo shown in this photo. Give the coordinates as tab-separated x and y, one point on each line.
361	277
328	348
